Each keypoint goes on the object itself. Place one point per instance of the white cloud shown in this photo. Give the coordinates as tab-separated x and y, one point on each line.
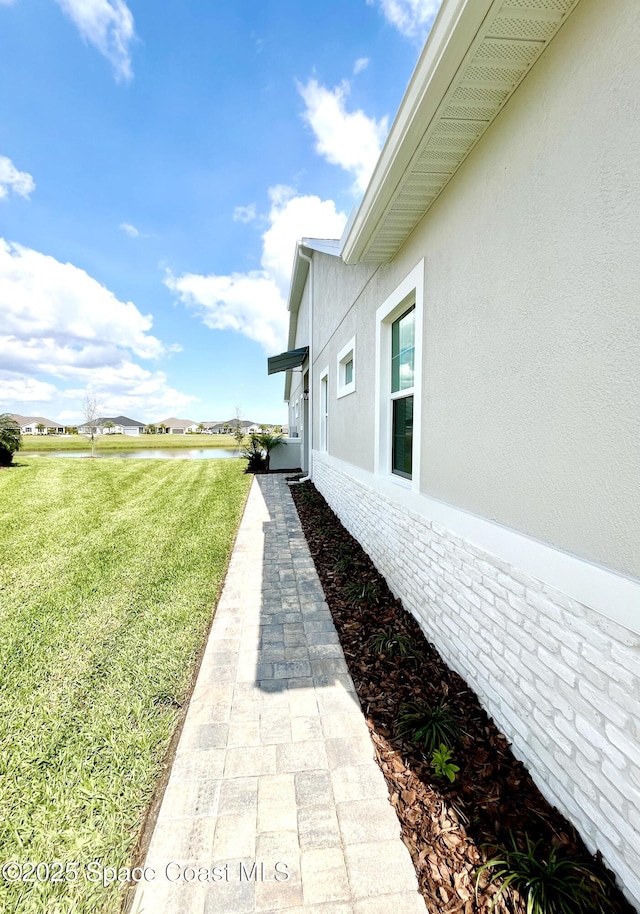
291	218
107	25
16	391
412	18
133	391
126	389
254	303
249	303
20	182
56	315
346	138
361	64
60	323
244	213
129	229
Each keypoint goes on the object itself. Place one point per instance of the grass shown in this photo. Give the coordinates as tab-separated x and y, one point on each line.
109	571
123	442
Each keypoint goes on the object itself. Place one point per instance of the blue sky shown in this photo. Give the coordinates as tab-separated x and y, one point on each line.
158	162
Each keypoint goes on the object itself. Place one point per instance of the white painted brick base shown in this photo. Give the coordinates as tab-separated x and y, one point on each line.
561	680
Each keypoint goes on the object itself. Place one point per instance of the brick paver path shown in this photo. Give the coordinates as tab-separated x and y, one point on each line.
275	774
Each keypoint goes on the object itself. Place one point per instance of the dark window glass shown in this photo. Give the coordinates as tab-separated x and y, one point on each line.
402	436
348	372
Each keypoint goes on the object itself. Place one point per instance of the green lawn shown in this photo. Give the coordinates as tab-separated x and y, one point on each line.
123	442
109	572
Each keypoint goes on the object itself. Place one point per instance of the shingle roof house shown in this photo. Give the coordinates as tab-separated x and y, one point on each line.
29	424
120	425
469	403
178	426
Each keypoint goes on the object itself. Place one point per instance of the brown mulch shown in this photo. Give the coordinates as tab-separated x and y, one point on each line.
449	828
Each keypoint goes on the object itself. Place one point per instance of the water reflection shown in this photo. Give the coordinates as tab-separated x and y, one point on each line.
165	453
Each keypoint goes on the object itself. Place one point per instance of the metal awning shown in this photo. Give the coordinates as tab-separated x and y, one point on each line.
287	360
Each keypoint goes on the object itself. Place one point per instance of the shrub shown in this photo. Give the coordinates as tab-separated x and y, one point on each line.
394	644
258	451
428	725
253	453
10	439
357	592
551	881
442	763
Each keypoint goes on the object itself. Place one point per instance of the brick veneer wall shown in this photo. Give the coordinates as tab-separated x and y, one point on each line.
561	680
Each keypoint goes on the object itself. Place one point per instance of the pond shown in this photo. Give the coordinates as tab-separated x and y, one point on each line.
165	453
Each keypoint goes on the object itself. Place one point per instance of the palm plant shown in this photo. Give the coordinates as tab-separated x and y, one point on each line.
258	451
269	442
109	425
10	439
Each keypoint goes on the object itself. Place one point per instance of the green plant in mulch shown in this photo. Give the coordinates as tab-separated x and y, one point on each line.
307	494
550	880
428	725
357	592
443	764
394	644
345	564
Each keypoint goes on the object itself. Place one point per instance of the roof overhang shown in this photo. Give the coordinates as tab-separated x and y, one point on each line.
299	273
477	54
293	358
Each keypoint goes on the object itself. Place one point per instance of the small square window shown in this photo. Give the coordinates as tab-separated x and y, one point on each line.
347	369
348	372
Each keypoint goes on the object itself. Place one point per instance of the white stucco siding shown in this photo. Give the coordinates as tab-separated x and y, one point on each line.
520	553
530	388
532	400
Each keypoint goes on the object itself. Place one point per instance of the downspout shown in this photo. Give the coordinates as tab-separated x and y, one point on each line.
311	303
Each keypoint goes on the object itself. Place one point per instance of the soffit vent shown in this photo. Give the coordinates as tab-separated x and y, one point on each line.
510	41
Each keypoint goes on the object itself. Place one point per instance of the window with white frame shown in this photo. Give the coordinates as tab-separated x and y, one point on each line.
398	380
347	368
296	420
403	348
324	408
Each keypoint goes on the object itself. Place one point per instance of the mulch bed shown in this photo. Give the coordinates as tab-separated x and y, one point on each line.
449	828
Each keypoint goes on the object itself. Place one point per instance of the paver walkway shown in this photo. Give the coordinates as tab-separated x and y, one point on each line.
275	801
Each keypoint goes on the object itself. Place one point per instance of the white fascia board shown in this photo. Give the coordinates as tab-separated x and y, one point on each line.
299	273
331	246
452	34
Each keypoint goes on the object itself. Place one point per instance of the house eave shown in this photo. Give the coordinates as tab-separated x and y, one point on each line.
477	54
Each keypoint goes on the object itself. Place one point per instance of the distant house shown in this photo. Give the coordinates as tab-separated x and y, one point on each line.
37	425
226	428
173	426
114	425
